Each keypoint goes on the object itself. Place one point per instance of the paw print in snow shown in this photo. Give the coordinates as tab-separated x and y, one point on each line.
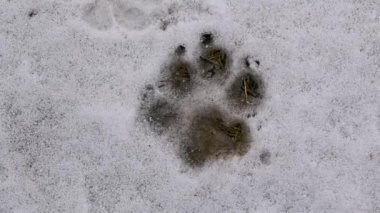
188	105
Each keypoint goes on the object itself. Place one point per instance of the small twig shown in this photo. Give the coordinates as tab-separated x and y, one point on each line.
245	91
210	61
220	58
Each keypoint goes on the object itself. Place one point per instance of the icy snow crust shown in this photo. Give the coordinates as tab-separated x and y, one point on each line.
71	78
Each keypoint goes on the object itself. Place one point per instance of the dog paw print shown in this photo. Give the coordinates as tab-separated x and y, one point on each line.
139	15
203	105
98	15
101	14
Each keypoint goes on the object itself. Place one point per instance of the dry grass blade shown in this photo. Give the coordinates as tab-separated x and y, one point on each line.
245	91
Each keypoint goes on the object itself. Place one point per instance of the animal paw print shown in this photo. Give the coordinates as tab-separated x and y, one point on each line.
101	14
203	105
137	15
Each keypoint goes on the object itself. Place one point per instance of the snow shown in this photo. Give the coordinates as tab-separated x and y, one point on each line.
71	79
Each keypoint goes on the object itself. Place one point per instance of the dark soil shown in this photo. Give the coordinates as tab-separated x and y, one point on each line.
213	63
180	77
246	90
212	136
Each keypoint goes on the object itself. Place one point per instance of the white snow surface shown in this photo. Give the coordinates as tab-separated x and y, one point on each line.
71	76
